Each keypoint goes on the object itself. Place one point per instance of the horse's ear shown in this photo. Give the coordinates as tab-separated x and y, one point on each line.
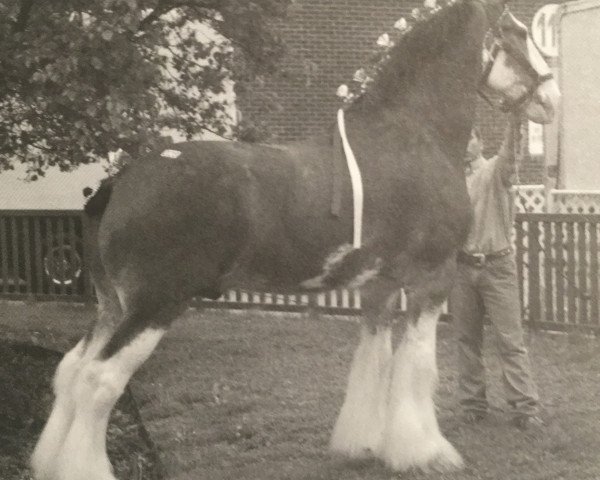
494	9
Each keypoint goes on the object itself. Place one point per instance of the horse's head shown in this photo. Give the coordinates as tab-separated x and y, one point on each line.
514	68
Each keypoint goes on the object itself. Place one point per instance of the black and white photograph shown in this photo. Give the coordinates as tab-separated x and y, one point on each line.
299	240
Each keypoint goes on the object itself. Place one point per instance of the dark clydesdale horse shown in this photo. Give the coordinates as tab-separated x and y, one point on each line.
202	217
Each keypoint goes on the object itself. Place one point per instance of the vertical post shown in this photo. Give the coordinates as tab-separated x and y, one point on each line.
560	272
549	256
87	248
549	199
519	254
26	243
37	252
571	260
534	272
16	275
4	253
74	259
356	295
594	293
582	269
60	249
48	240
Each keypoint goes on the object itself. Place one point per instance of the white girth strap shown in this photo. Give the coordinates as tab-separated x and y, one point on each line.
355	178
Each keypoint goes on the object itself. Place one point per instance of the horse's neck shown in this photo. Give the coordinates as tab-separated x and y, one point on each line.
442	108
446	100
440	94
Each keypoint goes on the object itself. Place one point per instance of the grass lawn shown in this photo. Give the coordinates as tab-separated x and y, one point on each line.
251	395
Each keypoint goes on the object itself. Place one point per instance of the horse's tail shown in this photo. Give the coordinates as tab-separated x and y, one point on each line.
97	202
108	302
94	209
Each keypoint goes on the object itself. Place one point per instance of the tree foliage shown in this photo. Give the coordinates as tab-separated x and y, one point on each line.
81	78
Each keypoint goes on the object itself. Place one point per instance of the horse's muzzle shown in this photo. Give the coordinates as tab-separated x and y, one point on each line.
544	104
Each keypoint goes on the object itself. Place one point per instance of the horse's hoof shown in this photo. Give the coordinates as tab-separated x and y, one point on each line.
352	454
447	460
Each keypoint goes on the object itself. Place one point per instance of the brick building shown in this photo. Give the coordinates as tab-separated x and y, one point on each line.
327	41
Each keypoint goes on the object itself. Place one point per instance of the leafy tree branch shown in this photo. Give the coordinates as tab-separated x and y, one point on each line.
79	79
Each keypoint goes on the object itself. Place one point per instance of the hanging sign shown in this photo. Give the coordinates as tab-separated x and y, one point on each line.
544	29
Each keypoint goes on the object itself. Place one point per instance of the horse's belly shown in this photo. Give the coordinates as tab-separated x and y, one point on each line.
339	267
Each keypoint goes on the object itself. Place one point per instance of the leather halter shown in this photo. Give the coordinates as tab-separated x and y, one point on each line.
499	44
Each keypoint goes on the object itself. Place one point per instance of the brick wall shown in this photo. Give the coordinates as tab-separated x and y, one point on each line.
327	41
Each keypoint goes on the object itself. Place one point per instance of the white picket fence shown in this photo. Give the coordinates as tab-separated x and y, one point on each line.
528	199
538	199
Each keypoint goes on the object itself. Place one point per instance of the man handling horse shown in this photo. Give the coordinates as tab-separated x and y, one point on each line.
487	284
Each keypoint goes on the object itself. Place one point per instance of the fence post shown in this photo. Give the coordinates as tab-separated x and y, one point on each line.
88	290
534	272
582	283
594	293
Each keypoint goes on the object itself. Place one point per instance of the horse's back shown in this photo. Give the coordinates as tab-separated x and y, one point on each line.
194	213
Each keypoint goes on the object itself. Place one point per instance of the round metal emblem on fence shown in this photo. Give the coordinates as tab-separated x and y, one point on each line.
62	265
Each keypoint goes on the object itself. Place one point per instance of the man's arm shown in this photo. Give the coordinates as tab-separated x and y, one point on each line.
506	161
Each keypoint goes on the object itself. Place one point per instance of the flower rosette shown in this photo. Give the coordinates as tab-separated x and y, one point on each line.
364	76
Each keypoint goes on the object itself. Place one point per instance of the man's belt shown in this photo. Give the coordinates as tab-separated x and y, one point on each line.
480	259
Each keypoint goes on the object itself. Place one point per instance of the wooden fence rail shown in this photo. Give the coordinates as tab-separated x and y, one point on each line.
43	256
557	262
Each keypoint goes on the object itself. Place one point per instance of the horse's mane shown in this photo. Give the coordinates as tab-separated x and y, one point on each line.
422	44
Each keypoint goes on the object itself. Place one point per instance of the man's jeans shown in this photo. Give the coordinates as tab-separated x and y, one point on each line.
491	289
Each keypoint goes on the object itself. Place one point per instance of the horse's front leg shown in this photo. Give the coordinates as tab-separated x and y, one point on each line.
412	438
358	431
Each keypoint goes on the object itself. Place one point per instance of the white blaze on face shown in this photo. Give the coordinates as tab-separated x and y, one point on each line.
502	78
508	79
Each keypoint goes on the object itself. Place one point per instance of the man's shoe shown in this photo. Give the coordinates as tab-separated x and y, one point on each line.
528	422
471	418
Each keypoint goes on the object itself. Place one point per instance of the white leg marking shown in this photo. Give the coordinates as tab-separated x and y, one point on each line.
96	390
412	437
61	416
359	427
44	457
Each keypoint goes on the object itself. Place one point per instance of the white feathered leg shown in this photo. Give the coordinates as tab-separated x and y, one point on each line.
96	390
359	427
43	460
412	438
47	450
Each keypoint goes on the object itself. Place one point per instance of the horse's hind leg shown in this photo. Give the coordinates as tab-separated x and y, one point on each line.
61	416
412	438
97	388
49	445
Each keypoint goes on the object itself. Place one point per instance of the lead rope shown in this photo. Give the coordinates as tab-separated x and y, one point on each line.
518	158
517	153
356	179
